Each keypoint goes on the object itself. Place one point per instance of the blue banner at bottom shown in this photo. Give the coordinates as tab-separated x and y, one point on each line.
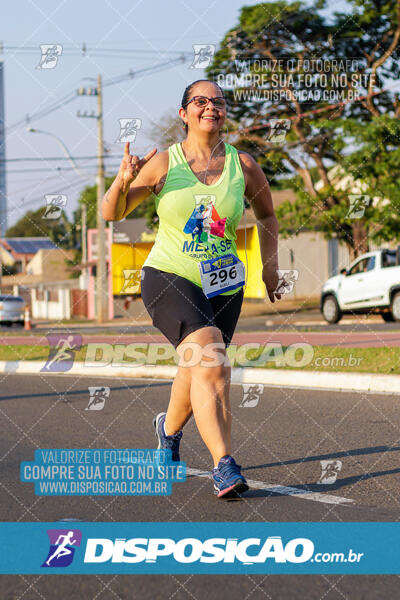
195	548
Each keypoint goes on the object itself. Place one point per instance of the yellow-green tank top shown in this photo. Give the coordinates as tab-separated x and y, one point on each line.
196	221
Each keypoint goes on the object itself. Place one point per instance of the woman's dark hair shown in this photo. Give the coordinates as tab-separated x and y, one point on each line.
188	91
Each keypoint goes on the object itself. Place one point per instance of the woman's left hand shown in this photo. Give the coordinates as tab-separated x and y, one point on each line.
270	277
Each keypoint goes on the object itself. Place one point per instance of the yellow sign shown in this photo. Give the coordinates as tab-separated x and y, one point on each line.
147	237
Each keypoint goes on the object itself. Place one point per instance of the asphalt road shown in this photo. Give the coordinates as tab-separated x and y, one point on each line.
294	321
279	441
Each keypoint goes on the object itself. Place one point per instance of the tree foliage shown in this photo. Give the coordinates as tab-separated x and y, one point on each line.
32	224
358	138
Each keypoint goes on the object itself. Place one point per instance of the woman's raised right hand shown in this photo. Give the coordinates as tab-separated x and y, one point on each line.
131	165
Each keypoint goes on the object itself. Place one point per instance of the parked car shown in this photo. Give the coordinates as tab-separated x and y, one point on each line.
370	284
12	310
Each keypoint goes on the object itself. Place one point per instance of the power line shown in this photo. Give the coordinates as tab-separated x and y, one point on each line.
86	50
146	70
58	170
61	169
54	158
42	170
44	112
32	183
40	198
73	95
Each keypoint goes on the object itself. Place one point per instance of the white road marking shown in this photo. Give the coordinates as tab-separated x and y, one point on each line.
282	489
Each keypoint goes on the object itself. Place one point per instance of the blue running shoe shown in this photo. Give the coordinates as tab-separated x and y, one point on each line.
166	441
228	481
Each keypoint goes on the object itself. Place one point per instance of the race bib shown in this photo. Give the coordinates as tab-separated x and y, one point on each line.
221	274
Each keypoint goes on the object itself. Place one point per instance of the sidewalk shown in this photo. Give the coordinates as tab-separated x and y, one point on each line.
345	382
282	306
250	307
138	315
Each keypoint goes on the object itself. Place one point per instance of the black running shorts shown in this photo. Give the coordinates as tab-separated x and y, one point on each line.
177	306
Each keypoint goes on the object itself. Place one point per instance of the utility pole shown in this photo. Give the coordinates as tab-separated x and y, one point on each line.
101	269
84	235
3	193
101	273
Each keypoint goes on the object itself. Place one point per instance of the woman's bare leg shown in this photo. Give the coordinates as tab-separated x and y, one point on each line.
203	387
179	408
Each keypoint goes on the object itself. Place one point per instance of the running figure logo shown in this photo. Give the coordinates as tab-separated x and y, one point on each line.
287	279
50	54
357	205
205	220
278	131
54	205
62	352
330	471
203	54
62	547
131	284
251	394
128	129
98	396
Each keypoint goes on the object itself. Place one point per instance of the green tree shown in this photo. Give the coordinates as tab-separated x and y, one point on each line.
33	224
317	141
169	130
89	197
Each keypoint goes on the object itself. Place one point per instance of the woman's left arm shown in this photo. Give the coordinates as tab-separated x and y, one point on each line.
258	194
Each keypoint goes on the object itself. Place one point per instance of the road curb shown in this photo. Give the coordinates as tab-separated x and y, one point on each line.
358	382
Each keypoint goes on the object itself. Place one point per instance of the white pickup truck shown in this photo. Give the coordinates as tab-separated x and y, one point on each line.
371	284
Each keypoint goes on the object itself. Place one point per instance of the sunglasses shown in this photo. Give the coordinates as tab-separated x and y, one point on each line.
202	101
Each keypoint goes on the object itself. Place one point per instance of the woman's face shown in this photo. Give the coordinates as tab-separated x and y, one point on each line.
204	118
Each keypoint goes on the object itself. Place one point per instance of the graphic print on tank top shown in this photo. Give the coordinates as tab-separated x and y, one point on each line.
197	222
205	224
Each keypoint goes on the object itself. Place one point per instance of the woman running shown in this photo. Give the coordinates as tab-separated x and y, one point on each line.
192	280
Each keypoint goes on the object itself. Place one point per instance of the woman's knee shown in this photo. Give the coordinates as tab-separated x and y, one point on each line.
204	348
218	375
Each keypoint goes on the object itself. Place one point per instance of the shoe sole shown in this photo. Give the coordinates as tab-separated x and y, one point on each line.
155	425
156	420
237	488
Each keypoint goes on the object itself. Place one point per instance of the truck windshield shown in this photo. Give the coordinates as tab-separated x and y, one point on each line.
388	259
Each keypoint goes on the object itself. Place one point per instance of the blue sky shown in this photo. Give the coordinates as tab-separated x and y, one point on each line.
157	26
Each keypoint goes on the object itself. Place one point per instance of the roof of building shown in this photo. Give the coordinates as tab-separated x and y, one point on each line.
28	245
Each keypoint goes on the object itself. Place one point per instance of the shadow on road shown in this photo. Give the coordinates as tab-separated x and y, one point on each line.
80	392
354	452
339	483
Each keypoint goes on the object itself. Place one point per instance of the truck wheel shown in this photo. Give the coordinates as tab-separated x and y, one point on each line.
331	311
387	317
395	307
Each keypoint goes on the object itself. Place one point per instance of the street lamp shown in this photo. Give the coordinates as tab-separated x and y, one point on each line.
73	163
63	146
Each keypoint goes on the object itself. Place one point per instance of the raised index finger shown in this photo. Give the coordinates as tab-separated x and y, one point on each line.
149	155
126	149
